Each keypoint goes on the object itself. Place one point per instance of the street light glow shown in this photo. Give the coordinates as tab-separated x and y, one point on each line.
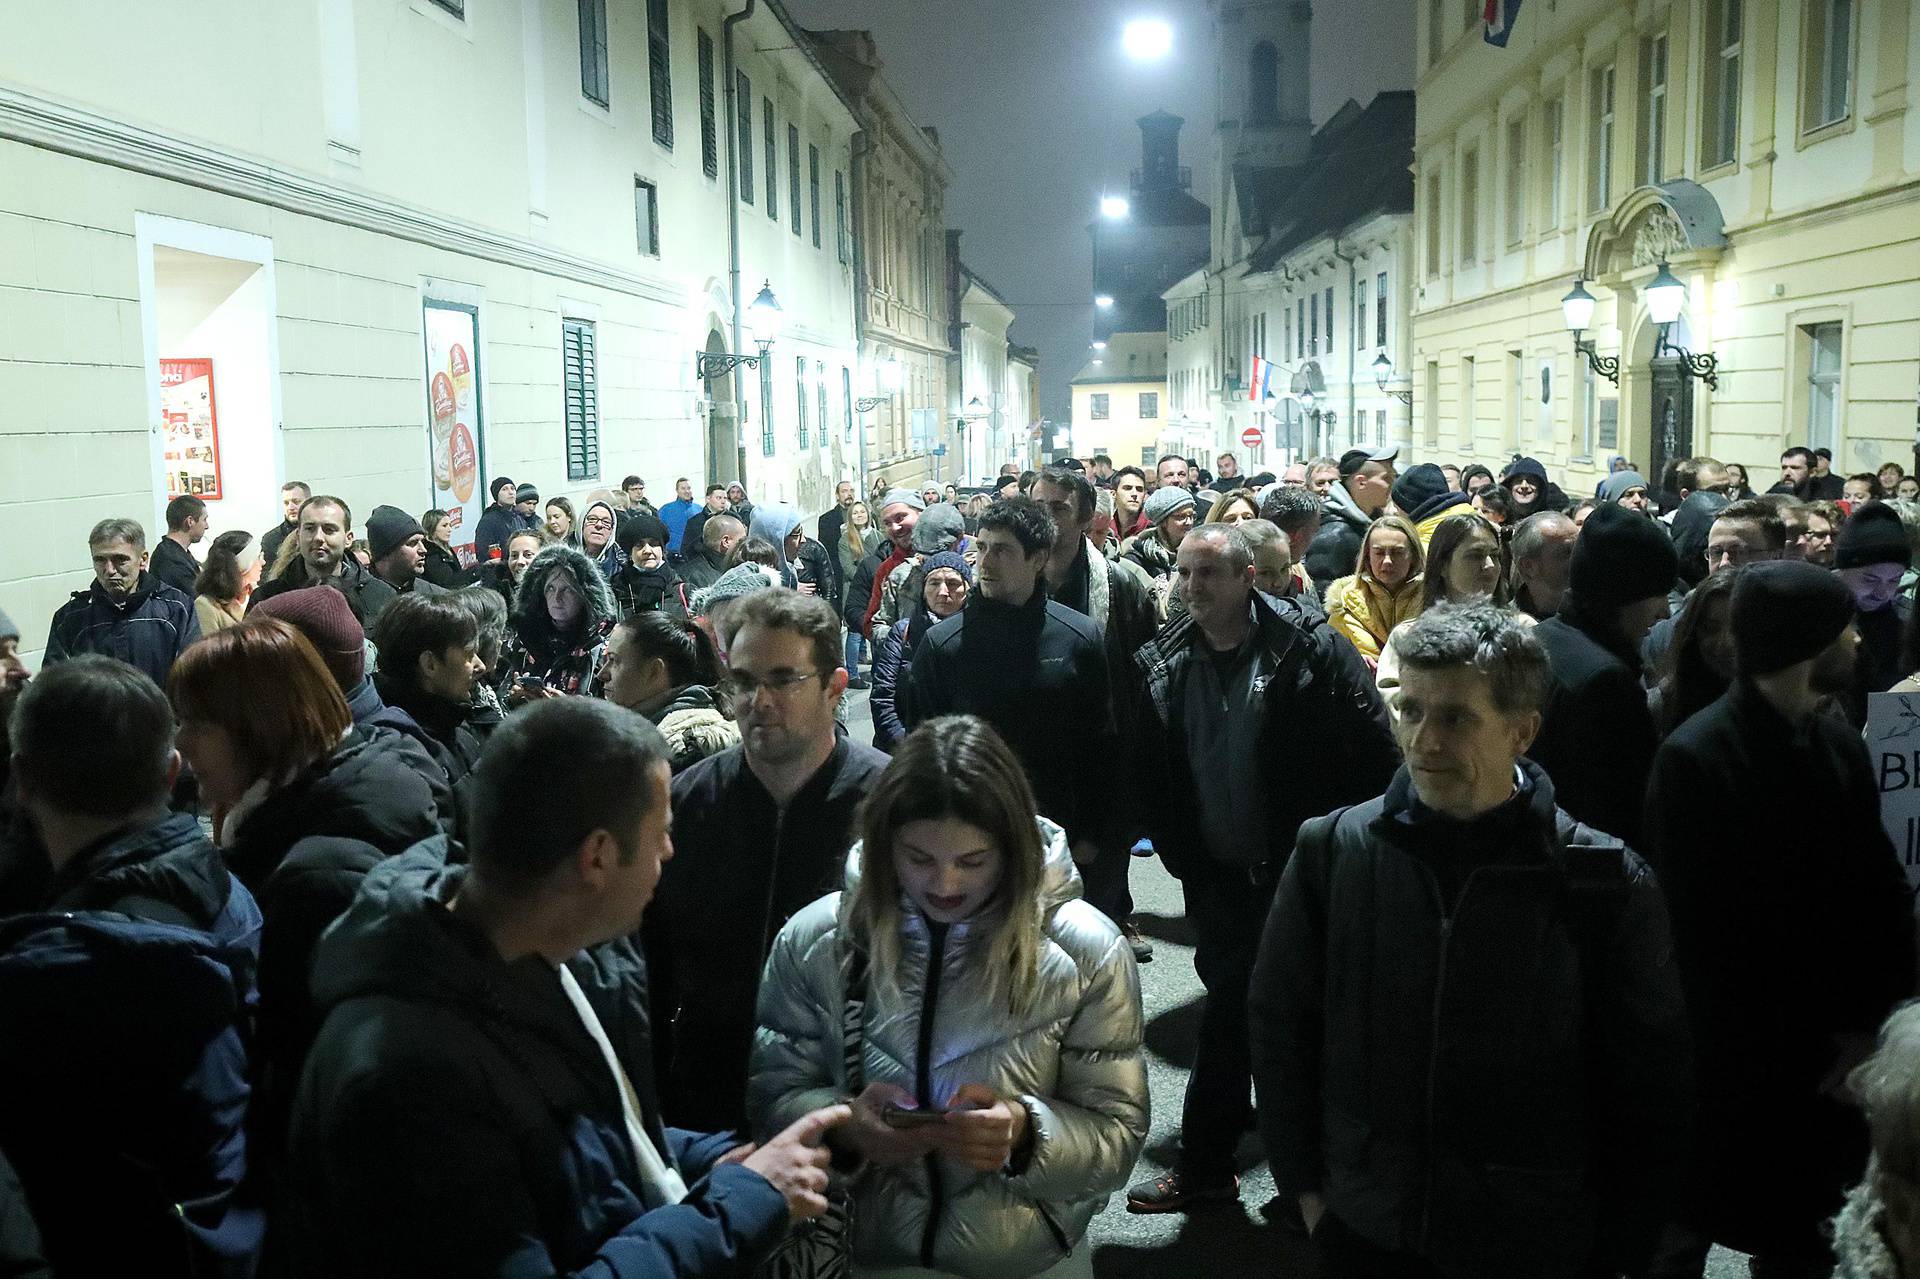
1099	346
1115	207
1147	39
1104	301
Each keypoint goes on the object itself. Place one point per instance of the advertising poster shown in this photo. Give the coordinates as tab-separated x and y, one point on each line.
192	446
456	427
1893	744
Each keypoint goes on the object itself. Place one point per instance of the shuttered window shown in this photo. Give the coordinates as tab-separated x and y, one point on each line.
581	377
840	216
593	50
743	110
813	182
709	123
773	160
820	399
793	177
800	389
660	72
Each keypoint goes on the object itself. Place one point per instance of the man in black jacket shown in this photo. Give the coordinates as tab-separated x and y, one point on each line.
127	613
1257	717
1033	668
428	666
1598	737
172	562
293	494
1791	920
325	558
832	524
500	521
144	946
479	1101
762	830
1365	487
1116	601
1467	1025
706	558
398	547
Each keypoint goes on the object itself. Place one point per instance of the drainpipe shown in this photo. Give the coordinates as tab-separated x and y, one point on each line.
732	20
856	182
1353	339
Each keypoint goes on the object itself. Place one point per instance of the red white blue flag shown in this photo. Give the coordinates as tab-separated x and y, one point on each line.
1259	386
1500	15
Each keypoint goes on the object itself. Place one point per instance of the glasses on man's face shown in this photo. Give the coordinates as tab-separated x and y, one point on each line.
742	690
599	521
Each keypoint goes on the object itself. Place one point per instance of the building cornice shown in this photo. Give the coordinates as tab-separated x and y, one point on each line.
87	135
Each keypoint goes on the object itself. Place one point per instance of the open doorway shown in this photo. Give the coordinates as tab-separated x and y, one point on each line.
212	357
723	420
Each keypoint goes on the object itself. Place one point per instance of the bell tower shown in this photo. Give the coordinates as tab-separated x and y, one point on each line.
1264	49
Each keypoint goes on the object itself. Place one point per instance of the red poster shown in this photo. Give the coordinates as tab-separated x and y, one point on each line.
192	445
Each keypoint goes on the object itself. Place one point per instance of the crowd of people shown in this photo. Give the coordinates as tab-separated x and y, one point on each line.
368	908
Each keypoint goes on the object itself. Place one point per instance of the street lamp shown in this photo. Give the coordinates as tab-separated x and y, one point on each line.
1099	345
1104	301
1383	374
1115	208
1577	307
887	377
1147	39
1666	296
763	322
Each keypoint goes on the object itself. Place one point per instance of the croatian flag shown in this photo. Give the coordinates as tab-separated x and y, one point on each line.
1500	15
1259	385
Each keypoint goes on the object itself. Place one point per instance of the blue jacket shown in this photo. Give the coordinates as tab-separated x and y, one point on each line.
456	1118
147	630
675	515
891	658
126	1063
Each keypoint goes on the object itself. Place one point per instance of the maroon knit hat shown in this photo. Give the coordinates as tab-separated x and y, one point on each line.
323	615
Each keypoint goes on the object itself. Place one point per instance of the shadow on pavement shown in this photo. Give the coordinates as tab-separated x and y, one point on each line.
1223	1242
1172	1034
1166	928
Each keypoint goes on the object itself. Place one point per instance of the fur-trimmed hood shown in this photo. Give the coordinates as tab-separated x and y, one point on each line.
530	598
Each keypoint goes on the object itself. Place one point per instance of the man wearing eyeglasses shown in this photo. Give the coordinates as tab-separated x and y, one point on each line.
761	830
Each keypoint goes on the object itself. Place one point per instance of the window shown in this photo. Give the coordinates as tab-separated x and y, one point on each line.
1436	31
1556	127
709	129
1430	404
1149	404
846	401
1516	179
1329	298
1609	424
581	383
646	216
660	72
767	442
1653	119
1300	329
1827	74
1600	141
773	159
1263	84
1823	386
1589	410
1097	406
820	398
793	178
743	108
840	215
1466	402
1360	316
800	390
1286	331
1470	205
1380	309
813	189
1433	224
1720	96
593	50
1313	318
458	8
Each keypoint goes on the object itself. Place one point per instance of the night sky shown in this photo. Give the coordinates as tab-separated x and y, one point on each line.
1035	104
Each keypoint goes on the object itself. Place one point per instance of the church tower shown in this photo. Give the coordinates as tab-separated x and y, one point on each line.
1261	114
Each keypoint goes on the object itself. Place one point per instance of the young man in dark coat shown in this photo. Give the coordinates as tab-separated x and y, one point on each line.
1031	667
1467	1024
762	830
1597	738
172	561
500	521
292	495
428	668
1792	923
325	558
127	613
479	1101
126	1126
1258	717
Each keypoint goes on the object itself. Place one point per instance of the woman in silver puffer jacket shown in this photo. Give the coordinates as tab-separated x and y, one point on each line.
1022	1035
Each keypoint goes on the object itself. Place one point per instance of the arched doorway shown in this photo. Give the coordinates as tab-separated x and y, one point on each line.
723	452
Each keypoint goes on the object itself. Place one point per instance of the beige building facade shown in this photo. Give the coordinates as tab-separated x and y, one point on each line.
395	247
1767	150
1120	402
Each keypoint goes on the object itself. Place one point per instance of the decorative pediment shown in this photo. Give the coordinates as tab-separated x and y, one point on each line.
1675	221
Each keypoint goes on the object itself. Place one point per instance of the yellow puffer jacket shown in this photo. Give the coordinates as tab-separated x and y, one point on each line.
1425	527
1366	612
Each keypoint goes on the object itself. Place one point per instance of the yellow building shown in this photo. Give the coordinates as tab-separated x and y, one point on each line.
1768	150
1120	400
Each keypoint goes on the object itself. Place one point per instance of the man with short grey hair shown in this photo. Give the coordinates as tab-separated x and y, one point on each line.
127	613
1542	558
1227	695
1450	914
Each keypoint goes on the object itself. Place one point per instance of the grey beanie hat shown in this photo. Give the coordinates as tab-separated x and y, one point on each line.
741	579
904	496
7	629
1169	499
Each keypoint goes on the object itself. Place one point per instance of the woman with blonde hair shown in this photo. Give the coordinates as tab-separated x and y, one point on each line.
1466	560
1384	589
1233	508
991	1019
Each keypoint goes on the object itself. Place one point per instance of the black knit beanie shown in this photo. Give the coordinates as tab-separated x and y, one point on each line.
1621	556
1786	611
1418	486
637	527
1874	535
